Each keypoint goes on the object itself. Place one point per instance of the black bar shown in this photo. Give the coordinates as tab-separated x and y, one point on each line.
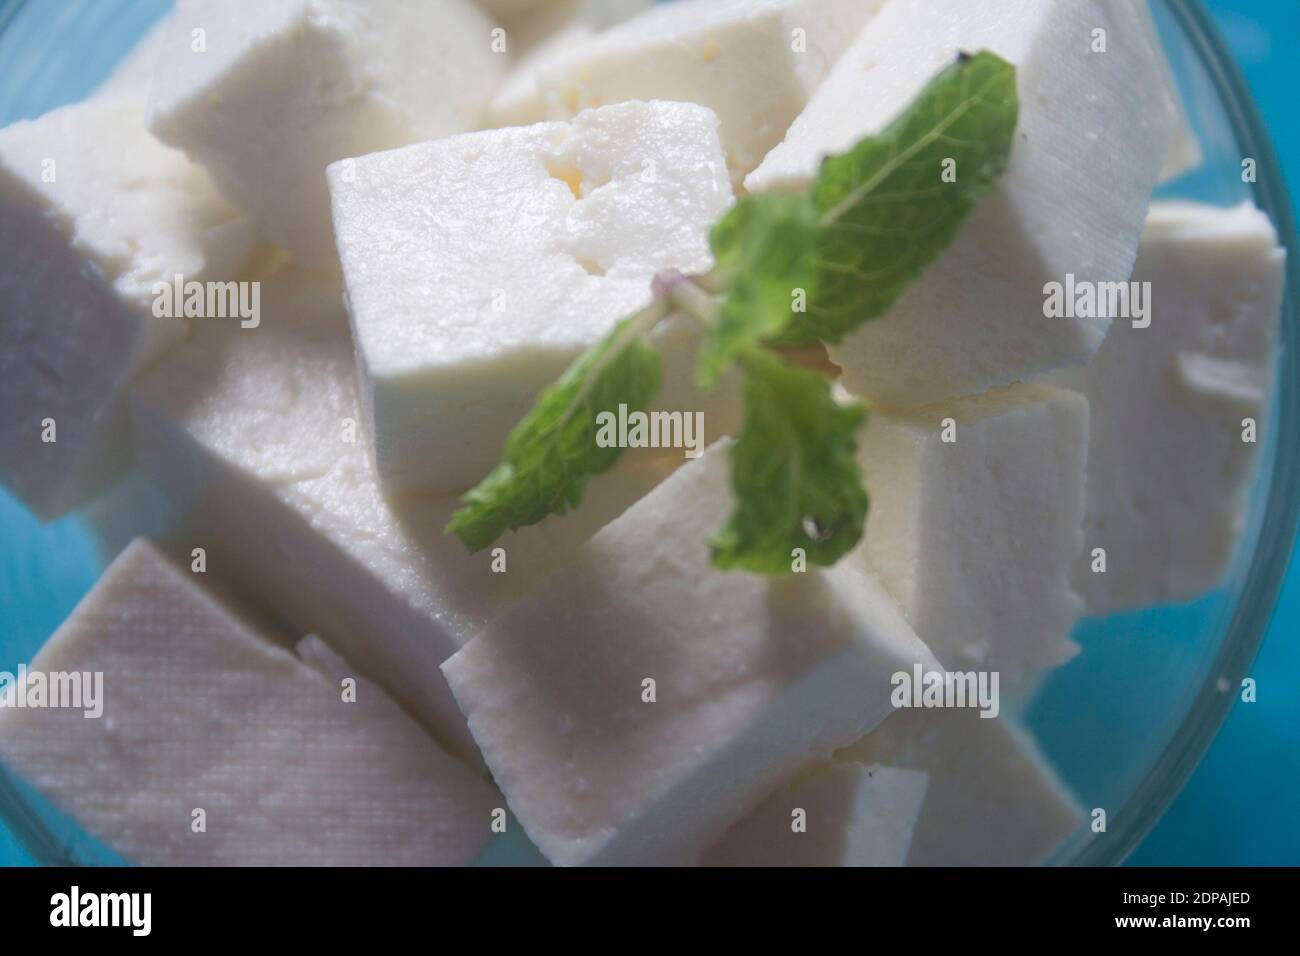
443	906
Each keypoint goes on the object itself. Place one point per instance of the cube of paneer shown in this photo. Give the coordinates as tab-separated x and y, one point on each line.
532	20
1178	401
544	39
753	62
842	814
640	701
94	213
266	95
1185	152
175	710
480	266
257	435
976	523
1071	201
520	101
991	798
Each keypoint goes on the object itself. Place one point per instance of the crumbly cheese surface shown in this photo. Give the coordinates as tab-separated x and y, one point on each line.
479	267
753	62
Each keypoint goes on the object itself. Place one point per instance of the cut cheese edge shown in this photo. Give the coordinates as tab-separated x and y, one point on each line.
844	814
1179	404
205	719
641	701
94	214
991	800
258	436
976	524
1068	203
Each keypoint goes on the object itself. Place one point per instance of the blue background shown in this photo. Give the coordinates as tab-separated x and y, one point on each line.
1242	806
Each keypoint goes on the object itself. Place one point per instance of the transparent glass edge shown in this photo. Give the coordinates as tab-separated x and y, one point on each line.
1148	803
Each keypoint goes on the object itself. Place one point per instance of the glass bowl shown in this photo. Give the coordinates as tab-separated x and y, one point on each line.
1125	723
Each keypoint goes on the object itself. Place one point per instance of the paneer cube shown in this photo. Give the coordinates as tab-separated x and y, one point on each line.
546	39
203	720
755	63
991	798
520	101
257	435
94	213
266	95
1178	399
976	524
1070	203
844	814
640	702
479	267
1185	152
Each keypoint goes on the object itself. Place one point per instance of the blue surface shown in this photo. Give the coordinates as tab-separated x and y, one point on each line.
1241	805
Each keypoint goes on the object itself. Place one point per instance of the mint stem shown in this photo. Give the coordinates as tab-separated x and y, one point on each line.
684	294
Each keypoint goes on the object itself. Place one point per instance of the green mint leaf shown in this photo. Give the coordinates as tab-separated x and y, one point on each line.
794	470
764	249
552	454
884	208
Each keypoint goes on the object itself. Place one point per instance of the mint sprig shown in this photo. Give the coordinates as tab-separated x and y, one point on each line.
791	268
552	454
764	249
794	470
889	206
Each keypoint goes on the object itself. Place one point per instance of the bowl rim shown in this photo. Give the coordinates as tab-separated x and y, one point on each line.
1146	803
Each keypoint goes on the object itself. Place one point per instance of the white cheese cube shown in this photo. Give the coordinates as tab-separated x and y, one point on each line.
1169	466
256	434
1069	203
265	95
199	711
976	522
533	19
753	62
841	815
1184	151
479	267
93	213
991	798
546	39
641	701
520	100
